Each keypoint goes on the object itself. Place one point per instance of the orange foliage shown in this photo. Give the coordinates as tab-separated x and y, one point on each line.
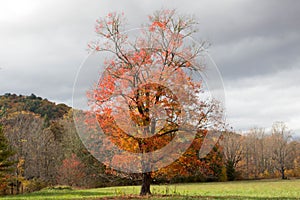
145	97
71	171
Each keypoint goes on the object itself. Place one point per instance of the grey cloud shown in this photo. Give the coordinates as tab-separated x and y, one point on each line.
257	55
261	100
254	43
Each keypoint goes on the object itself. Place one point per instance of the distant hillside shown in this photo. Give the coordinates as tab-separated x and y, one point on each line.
11	103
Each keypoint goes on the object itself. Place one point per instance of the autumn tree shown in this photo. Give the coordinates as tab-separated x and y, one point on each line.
71	171
149	95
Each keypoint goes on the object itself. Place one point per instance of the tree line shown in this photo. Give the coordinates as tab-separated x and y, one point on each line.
262	154
34	156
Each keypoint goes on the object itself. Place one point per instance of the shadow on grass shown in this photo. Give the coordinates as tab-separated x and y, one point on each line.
111	196
70	194
172	197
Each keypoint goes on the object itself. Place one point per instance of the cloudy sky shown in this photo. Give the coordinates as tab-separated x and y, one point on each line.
255	44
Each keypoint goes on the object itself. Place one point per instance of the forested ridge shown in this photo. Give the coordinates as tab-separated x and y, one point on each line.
10	103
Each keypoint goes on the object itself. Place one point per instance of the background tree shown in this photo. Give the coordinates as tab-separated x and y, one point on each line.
281	136
71	171
140	79
5	160
294	161
35	144
232	148
256	152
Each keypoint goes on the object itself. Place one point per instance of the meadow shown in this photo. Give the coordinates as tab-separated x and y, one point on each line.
262	189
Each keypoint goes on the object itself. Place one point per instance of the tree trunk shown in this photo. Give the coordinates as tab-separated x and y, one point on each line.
146	181
12	189
282	173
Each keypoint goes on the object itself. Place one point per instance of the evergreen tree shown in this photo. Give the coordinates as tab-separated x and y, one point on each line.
230	171
5	153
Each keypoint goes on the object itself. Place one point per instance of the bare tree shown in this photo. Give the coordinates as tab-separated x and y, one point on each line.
232	151
34	144
256	152
281	136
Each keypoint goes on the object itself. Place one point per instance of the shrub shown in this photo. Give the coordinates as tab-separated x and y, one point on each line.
34	185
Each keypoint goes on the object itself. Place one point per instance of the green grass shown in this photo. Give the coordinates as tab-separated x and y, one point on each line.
265	189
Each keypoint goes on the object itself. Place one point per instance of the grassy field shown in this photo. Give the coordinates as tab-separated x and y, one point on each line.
265	189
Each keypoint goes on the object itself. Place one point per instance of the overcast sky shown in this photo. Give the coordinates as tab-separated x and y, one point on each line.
255	44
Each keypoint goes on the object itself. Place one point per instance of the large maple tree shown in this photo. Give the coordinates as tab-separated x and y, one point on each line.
149	98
